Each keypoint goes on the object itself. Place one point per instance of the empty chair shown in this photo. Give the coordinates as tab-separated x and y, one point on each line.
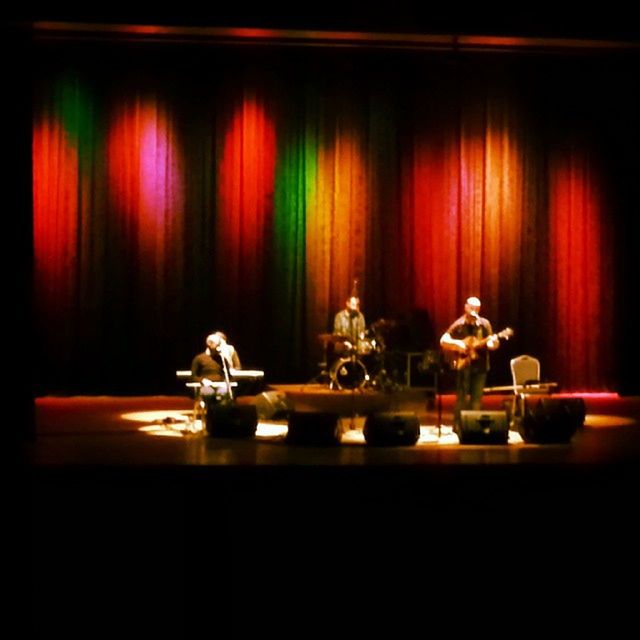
525	370
525	374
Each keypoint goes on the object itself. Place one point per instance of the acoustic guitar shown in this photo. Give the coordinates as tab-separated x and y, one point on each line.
459	360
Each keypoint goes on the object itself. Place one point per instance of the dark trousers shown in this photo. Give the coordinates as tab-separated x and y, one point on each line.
469	389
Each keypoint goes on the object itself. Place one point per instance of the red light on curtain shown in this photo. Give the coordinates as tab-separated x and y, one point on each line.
246	187
55	200
463	208
431	226
578	276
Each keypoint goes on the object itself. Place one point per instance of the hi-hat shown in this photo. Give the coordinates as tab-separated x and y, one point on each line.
383	323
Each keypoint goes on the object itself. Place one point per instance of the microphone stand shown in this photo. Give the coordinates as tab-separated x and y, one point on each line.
353	358
227	378
436	370
436	373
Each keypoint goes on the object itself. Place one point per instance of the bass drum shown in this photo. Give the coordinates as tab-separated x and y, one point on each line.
348	373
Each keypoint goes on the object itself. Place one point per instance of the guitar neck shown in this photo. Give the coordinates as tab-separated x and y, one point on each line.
483	342
478	344
494	336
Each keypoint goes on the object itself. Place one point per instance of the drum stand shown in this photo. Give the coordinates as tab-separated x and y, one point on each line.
335	369
324	377
382	381
331	381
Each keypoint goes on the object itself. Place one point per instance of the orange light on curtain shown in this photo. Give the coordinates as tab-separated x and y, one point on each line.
337	218
505	209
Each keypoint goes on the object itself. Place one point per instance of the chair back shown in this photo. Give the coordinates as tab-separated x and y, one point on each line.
525	369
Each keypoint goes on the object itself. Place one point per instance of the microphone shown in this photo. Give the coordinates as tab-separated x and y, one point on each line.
474	314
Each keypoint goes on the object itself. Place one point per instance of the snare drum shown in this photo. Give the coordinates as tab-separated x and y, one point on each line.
349	373
366	346
342	347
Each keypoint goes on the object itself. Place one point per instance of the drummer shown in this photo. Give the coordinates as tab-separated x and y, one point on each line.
349	324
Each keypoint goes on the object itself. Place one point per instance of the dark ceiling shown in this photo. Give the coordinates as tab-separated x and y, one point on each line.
546	20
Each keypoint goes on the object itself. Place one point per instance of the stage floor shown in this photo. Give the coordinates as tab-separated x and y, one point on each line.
162	430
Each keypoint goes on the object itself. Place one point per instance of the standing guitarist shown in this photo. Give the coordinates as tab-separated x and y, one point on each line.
467	343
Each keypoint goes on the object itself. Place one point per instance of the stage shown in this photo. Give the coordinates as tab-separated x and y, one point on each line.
162	430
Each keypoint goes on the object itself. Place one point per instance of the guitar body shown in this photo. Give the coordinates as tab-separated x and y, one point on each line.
463	360
459	360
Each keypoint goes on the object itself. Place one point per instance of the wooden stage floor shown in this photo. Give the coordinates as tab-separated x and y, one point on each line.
159	429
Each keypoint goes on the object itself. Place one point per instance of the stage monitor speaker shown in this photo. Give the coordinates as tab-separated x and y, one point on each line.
315	428
387	428
483	427
231	421
552	420
272	405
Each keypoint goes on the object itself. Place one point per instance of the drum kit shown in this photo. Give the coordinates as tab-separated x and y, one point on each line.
357	365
